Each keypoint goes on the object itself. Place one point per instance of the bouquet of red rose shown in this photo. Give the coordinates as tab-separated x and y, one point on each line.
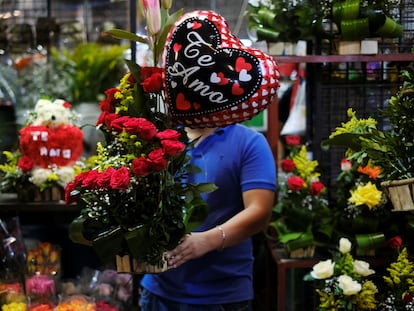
301	216
135	200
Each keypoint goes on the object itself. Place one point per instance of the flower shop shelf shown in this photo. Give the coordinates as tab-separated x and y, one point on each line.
37	212
399	57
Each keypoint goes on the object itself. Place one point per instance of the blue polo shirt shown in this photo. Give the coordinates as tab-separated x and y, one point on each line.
236	159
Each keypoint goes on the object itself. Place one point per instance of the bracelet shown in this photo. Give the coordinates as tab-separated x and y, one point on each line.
223	237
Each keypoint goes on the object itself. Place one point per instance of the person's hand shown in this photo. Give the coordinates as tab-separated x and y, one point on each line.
191	246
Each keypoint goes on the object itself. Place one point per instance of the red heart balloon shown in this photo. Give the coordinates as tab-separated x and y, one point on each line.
46	146
212	79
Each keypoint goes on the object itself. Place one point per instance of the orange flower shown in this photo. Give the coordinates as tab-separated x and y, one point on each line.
372	171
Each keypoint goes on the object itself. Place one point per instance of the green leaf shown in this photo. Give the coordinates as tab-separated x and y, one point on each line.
109	243
123	34
76	231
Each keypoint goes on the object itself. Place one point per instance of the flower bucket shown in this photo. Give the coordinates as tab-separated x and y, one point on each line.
127	264
401	193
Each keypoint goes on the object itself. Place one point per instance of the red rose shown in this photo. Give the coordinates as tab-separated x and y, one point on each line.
141	166
118	124
90	180
25	163
407	298
120	179
110	93
106	105
104	178
168	134
147	72
316	187
287	165
295	183
293	140
146	129
67	105
158	161
153	83
394	242
172	147
106	118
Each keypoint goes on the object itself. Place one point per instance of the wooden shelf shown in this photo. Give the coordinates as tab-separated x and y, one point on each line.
403	57
37	212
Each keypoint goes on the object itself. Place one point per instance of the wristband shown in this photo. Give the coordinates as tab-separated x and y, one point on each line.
223	237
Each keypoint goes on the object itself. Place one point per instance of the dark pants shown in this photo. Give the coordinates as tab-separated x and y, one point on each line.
151	302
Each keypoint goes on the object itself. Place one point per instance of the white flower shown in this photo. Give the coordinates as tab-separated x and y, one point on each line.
362	268
344	245
323	269
40	175
348	285
66	174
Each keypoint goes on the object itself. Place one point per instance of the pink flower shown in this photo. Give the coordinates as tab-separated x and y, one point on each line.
346	165
152	12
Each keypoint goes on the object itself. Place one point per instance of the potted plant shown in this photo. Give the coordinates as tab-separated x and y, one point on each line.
391	149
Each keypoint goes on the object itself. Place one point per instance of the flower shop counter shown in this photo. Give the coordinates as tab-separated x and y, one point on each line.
37	212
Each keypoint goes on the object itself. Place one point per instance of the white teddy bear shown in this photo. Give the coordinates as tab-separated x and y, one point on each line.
52	113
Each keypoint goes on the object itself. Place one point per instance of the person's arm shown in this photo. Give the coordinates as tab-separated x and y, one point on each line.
254	218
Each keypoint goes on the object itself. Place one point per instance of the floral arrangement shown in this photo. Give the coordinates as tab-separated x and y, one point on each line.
399	283
343	283
50	148
390	149
361	207
301	216
136	201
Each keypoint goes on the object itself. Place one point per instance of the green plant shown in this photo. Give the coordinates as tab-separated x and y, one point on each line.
92	69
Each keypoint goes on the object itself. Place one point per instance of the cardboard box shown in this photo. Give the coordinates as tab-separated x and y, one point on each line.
369	46
349	47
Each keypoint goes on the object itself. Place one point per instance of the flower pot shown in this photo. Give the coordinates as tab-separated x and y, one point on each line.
401	193
127	264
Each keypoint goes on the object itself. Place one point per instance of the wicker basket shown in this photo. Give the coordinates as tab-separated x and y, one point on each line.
127	264
401	193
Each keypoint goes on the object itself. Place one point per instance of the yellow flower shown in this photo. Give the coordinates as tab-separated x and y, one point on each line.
367	194
355	125
305	166
366	298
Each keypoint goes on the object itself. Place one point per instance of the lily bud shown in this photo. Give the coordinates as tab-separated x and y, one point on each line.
166	4
152	13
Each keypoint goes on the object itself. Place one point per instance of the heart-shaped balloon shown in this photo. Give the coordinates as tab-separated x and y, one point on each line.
61	146
212	79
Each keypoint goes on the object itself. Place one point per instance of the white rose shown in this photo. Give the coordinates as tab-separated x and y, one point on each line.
40	175
66	174
344	245
362	268
348	285
323	269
